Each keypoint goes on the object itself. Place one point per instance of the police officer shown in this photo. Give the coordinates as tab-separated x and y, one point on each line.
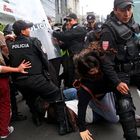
120	33
74	40
91	20
93	35
37	82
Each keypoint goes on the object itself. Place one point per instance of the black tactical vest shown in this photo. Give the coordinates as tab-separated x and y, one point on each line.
127	49
24	49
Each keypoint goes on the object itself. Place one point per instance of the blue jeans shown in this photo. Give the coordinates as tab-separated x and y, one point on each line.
110	113
70	94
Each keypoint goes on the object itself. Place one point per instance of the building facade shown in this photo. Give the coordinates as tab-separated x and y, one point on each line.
6	13
64	7
54	9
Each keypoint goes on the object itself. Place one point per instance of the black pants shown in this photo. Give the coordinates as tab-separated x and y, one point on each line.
125	106
54	68
13	93
37	85
70	74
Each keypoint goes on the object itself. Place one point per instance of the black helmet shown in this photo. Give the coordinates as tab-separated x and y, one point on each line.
91	18
98	27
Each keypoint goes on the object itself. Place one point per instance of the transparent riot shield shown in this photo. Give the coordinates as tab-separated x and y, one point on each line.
137	10
32	11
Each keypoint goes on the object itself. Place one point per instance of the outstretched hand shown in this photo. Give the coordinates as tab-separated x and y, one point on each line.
24	65
86	135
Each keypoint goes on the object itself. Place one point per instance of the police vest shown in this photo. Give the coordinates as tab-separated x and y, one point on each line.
127	49
24	49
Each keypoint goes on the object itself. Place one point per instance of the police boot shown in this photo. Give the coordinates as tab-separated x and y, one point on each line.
62	128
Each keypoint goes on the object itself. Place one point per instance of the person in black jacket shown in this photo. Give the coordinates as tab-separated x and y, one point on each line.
92	86
91	20
37	83
74	40
120	33
94	34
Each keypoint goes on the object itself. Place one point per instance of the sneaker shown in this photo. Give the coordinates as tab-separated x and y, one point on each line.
11	129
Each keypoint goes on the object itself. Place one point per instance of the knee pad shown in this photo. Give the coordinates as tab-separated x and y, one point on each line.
125	105
127	118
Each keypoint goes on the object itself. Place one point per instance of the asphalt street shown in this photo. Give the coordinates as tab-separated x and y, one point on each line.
26	130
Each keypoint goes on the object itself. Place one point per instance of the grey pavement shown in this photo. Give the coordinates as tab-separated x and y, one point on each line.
26	130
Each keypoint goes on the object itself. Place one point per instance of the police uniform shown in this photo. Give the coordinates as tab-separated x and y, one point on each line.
90	20
37	82
123	67
74	40
94	34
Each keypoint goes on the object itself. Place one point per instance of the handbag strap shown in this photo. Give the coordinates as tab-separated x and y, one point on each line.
95	97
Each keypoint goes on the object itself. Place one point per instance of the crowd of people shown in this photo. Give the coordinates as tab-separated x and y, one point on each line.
99	61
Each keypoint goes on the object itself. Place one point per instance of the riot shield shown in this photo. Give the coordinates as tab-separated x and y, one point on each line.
32	11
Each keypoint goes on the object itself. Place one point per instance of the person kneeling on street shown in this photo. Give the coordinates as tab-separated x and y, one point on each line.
93	85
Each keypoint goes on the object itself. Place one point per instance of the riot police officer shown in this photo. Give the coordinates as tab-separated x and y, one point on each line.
37	82
120	33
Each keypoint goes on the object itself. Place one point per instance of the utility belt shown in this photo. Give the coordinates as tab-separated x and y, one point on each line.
128	67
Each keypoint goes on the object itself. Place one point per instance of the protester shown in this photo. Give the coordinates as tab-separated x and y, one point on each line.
9	37
93	84
5	129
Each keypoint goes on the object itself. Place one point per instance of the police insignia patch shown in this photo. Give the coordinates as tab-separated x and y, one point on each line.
105	45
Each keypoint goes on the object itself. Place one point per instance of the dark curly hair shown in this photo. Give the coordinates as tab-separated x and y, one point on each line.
89	58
